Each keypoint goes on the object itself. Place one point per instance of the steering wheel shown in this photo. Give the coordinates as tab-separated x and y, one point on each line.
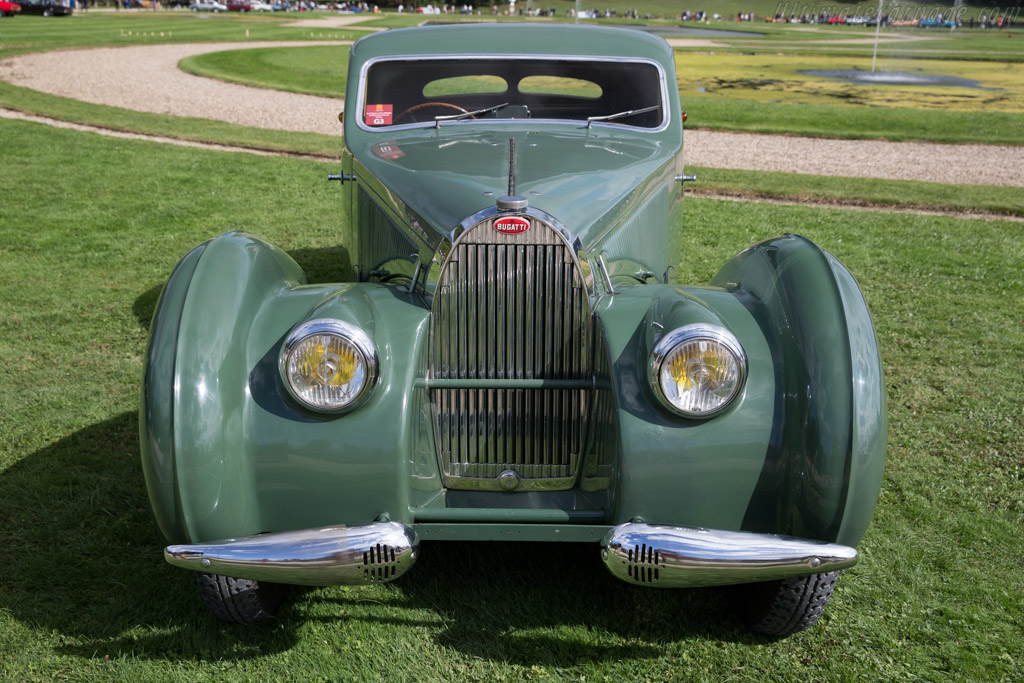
431	105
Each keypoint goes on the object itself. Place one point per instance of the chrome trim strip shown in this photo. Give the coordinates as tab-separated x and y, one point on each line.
324	556
666	119
676	556
603	267
495	383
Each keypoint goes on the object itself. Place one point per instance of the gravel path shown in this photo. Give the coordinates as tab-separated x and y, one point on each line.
927	161
146	78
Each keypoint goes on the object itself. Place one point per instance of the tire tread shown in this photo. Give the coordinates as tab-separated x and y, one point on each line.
239	601
787	606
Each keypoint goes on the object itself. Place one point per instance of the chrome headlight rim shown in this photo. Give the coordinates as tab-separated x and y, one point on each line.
694	332
352	334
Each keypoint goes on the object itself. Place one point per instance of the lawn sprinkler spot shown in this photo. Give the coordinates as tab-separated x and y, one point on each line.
859	77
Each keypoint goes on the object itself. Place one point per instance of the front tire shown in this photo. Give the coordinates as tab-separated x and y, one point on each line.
239	601
784	607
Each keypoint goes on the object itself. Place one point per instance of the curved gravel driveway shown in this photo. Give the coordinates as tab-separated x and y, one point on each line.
147	78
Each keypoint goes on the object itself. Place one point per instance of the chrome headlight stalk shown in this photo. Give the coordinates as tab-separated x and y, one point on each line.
328	365
697	370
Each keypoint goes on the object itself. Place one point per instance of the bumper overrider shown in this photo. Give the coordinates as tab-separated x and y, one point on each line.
644	554
673	557
325	556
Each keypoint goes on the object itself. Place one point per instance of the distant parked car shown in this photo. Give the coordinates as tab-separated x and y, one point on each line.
259	6
239	6
208	6
8	9
935	23
47	8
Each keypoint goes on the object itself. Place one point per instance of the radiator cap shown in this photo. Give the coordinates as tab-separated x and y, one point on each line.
512	203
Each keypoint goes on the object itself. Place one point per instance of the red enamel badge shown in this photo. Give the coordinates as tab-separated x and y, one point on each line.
511	225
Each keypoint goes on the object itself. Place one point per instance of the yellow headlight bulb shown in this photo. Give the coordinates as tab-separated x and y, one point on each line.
338	369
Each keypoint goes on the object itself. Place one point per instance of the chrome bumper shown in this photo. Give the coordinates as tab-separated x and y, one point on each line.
372	553
670	557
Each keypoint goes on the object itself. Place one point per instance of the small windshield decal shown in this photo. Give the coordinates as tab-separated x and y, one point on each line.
512	225
379	114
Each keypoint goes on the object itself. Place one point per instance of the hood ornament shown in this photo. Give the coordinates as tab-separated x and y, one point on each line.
512	201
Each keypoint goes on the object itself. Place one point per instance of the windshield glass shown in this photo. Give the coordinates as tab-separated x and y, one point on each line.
400	92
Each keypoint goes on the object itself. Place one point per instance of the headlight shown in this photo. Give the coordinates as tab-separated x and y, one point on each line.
328	365
697	370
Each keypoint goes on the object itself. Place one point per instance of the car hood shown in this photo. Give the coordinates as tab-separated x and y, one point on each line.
583	177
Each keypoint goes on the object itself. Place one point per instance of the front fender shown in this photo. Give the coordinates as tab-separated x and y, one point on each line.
800	452
823	468
236	456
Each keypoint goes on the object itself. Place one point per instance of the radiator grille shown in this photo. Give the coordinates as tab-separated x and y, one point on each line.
511	307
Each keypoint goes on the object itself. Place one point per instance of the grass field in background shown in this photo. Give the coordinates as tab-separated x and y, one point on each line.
113	29
748	84
309	70
97	224
670	9
784	79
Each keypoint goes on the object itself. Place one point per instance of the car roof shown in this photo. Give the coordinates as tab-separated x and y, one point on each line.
514	38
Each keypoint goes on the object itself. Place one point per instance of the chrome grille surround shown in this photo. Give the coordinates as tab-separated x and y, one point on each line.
512	357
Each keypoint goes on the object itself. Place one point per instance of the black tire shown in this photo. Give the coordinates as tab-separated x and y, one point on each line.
239	601
781	608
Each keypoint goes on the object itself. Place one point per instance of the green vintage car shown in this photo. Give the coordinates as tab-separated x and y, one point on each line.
513	359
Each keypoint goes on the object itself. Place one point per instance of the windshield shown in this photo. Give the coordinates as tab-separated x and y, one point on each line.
439	91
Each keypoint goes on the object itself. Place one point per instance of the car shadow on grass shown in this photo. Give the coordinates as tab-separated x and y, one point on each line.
555	604
328	264
80	560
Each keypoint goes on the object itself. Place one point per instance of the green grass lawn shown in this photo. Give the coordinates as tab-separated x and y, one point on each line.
91	29
309	70
92	228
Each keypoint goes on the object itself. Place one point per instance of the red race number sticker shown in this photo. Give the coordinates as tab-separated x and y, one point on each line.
511	225
379	114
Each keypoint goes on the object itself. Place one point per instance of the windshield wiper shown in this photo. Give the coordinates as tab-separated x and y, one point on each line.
466	114
621	114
